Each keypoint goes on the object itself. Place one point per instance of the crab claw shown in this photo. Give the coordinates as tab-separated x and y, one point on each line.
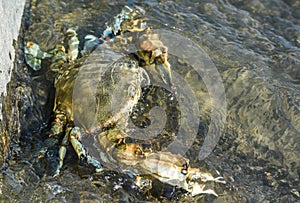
199	189
165	72
34	55
90	44
195	173
195	188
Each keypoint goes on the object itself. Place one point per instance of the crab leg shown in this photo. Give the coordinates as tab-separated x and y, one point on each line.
80	151
73	44
59	58
72	135
62	153
58	124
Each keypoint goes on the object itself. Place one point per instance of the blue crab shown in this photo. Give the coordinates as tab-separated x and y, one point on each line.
106	140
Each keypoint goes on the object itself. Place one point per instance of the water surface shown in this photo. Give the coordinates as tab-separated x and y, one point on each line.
255	46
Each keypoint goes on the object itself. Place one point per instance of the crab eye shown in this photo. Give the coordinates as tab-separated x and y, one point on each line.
184	172
184	169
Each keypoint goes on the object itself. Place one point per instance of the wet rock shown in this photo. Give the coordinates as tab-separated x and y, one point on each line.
9	30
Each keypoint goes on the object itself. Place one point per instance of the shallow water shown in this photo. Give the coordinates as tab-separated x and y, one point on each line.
255	46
